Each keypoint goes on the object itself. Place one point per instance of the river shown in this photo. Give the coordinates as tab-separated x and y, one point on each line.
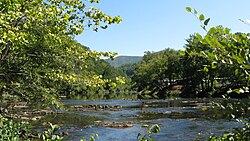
179	120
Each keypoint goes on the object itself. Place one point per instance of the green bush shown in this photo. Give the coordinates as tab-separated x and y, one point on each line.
15	131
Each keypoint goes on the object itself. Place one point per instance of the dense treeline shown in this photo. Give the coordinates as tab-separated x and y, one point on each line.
203	69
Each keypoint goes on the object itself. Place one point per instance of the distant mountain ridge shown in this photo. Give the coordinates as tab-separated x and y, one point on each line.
123	60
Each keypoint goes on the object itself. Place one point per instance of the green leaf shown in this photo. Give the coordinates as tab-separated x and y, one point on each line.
195	11
204	108
155	128
104	27
96	135
145	126
246	66
205	69
206	21
236	72
239	91
214	65
212	30
189	9
229	91
201	17
92	138
199	36
227	30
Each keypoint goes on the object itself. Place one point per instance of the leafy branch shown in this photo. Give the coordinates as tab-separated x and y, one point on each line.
203	21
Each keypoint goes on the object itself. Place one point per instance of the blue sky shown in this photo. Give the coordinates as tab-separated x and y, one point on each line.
153	25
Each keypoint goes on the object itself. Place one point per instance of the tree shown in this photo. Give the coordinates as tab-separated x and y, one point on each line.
39	55
128	69
228	54
157	72
230	58
219	59
197	78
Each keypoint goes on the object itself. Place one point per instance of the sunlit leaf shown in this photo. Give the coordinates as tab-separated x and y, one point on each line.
188	9
195	11
201	17
198	36
214	65
205	69
204	108
145	126
236	72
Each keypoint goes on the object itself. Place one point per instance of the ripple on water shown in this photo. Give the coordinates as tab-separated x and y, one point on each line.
180	120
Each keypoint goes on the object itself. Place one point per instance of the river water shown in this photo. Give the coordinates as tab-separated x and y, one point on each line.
179	120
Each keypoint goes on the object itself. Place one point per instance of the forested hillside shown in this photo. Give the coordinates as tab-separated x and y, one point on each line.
123	60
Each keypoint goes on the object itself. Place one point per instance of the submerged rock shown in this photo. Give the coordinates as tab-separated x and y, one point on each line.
95	107
44	112
115	124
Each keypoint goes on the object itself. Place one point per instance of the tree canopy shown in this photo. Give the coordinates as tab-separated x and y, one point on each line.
39	55
157	71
